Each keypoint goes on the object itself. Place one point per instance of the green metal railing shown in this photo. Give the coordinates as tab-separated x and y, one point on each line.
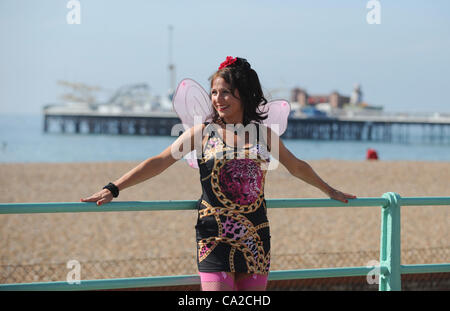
390	267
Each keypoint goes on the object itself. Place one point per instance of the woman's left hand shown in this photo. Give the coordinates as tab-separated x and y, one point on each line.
340	196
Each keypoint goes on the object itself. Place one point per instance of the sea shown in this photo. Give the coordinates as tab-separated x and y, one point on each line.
22	140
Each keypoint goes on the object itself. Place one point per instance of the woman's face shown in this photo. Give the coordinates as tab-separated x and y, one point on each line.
228	107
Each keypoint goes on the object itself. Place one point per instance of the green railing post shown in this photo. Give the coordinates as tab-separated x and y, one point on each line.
390	272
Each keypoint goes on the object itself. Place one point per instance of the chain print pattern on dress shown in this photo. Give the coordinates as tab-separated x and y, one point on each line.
237	182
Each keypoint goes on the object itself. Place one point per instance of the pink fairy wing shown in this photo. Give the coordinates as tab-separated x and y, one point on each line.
277	114
190	101
191	159
192	104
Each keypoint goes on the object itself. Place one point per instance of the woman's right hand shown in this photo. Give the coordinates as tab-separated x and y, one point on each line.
101	197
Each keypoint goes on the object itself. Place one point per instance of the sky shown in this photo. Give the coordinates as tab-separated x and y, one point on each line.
402	63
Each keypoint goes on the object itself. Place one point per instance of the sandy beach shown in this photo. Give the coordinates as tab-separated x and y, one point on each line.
127	244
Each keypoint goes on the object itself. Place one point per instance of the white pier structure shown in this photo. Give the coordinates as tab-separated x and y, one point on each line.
394	127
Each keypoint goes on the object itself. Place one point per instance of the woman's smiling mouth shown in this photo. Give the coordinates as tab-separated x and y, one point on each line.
222	108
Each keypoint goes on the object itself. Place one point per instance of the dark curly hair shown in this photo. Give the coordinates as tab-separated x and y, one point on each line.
239	75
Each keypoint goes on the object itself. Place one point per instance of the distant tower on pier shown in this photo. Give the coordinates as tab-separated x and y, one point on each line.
171	66
356	96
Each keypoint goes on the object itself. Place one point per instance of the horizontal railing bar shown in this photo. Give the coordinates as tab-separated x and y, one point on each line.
429	268
100	284
157	281
130	206
412	201
77	207
293	203
319	273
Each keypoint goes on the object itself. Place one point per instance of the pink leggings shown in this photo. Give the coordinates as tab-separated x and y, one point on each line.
221	281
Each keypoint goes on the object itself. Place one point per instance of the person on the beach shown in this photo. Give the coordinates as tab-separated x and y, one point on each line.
232	230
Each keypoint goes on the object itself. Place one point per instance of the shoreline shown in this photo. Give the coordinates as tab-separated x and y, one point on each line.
360	160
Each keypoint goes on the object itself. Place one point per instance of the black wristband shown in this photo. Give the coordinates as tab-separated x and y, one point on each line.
113	188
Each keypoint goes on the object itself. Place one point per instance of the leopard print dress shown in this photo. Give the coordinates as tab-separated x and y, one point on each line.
232	229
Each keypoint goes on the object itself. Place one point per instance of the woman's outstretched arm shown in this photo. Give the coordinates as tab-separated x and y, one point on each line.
152	166
303	170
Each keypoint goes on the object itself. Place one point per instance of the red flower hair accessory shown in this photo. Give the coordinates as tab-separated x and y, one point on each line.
228	61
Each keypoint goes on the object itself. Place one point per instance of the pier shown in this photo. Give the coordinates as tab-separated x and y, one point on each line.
125	124
386	128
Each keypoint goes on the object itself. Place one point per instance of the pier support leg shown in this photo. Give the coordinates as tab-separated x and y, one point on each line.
45	124
62	125
77	126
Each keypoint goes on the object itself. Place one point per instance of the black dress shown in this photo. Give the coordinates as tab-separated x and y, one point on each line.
232	230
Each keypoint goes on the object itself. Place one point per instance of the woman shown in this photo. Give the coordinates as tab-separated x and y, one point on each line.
232	231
